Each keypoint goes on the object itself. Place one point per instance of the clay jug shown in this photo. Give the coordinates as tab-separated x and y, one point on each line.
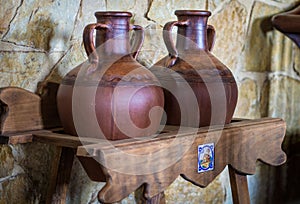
111	96
190	62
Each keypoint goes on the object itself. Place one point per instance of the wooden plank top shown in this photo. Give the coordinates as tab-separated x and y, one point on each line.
171	132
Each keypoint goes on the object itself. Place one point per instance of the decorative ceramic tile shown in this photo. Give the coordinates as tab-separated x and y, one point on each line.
206	157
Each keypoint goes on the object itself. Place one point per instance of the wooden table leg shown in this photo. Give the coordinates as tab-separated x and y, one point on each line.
53	175
158	199
239	187
61	176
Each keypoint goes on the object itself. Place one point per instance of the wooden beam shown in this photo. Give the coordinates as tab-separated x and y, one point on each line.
239	187
63	176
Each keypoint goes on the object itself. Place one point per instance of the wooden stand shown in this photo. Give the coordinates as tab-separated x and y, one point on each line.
126	165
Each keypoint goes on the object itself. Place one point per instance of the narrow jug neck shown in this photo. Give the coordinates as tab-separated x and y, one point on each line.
114	40
194	35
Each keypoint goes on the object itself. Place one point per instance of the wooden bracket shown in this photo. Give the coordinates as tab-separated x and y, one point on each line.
22	111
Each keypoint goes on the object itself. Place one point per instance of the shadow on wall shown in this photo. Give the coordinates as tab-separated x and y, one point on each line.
257	58
40	33
276	184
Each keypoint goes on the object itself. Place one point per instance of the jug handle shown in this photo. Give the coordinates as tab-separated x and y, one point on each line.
88	40
167	36
211	36
139	39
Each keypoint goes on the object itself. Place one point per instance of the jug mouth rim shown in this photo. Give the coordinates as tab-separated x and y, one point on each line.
193	12
113	13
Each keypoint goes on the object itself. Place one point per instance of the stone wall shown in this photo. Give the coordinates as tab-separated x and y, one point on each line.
42	40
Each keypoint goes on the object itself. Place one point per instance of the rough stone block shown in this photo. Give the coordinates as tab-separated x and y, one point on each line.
248	105
256	55
282	53
284	101
162	11
43	25
230	25
7	12
26	69
86	16
182	191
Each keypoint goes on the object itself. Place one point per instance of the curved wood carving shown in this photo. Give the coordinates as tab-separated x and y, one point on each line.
22	110
16	105
239	144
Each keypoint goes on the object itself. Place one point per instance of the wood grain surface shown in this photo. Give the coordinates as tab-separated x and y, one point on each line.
239	144
21	110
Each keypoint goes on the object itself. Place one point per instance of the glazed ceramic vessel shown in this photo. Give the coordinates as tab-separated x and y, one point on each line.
111	92
191	62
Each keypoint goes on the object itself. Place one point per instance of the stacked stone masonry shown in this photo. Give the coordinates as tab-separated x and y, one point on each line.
42	41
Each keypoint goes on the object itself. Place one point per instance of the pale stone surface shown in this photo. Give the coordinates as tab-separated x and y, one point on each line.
284	101
7	12
282	53
10	47
182	191
248	104
73	57
256	55
215	5
76	53
230	33
138	8
153	48
296	65
264	99
287	3
162	11
26	69
86	16
225	181
261	183
45	25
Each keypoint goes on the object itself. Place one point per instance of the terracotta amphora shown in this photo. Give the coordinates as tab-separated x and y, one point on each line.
111	96
191	67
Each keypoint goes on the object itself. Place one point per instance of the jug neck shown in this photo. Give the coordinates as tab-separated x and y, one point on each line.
194	35
115	39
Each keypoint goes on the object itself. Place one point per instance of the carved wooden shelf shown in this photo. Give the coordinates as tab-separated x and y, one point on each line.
239	145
